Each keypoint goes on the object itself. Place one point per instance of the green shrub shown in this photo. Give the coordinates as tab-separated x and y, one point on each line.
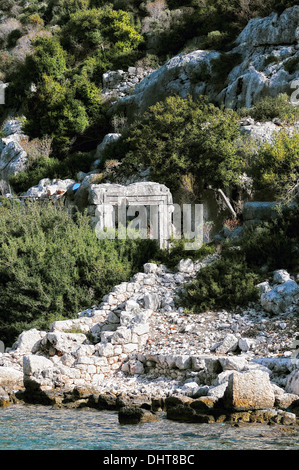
180	137
276	165
274	244
52	266
43	167
270	107
231	280
104	28
227	283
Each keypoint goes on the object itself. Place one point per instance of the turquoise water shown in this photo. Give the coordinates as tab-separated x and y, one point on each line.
42	428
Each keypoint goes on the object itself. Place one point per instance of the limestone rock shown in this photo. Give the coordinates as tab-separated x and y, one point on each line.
59	342
47	187
280	297
229	343
109	138
12	126
252	77
28	341
280	276
134	415
186	266
10	379
246	344
233	363
249	391
152	301
34	365
13	159
274	29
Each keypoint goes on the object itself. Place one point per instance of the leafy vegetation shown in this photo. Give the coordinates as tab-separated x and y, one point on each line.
276	167
181	137
58	87
269	108
231	281
225	284
52	266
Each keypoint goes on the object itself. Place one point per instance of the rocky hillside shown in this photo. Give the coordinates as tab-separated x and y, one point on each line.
201	99
263	62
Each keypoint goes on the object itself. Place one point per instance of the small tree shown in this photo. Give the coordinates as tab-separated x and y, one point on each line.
276	168
181	137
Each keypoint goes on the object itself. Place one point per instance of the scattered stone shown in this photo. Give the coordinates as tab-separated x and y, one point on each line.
229	343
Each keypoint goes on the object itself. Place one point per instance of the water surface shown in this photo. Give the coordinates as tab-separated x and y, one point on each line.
42	428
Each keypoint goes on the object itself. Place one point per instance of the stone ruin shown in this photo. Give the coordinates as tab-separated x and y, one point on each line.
111	205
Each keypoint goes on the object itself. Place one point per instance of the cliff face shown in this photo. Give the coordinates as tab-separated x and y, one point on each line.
264	62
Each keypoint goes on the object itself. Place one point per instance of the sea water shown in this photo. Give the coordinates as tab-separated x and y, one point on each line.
29	427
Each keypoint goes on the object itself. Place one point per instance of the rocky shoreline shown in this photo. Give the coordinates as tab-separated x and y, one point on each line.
139	354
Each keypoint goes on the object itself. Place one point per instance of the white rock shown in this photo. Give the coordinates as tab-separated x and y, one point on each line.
186	266
233	363
280	297
218	391
121	336
106	349
10	378
280	276
12	126
246	344
63	342
229	343
292	385
109	138
150	268
33	365
28	341
152	301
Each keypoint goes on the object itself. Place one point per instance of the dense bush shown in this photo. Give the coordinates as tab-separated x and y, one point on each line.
270	107
275	244
231	281
52	267
276	167
225	284
105	28
66	71
180	137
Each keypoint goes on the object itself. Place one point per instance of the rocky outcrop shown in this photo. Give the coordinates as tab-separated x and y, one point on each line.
13	157
282	295
248	391
49	188
109	138
264	62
